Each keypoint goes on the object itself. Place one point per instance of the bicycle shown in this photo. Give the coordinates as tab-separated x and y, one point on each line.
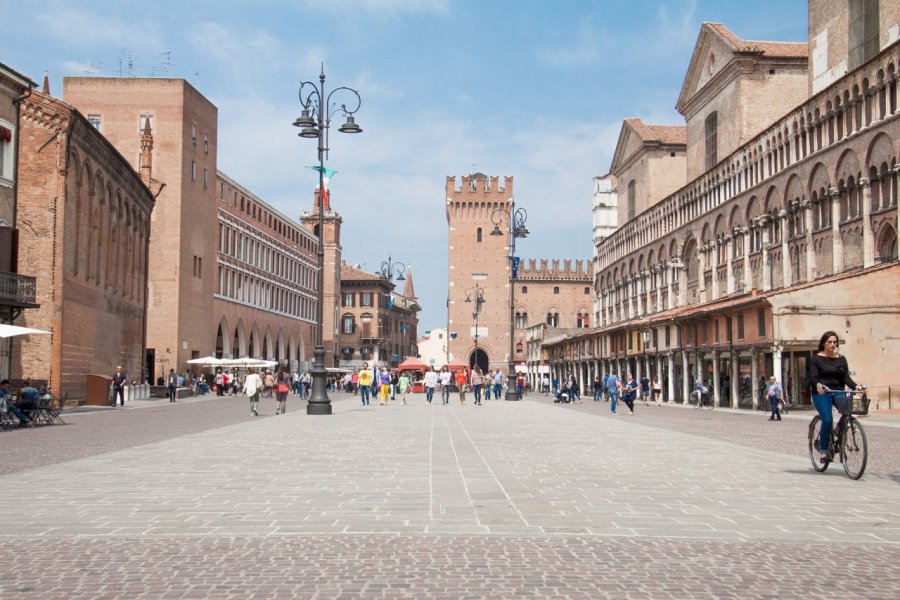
848	438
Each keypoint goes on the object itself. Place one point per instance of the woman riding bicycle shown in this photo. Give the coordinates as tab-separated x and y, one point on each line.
828	370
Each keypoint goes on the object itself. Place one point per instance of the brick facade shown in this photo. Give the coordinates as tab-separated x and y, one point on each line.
86	242
554	289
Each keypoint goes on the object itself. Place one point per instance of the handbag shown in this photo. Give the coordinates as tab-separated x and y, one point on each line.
281	388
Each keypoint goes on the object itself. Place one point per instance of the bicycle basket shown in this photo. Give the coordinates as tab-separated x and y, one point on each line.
852	404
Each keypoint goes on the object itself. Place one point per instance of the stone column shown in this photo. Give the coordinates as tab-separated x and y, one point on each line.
808	207
670	301
837	247
868	237
754	378
701	279
735	380
647	278
776	362
657	274
685	391
670	382
715	386
766	257
748	273
729	273
785	251
715	268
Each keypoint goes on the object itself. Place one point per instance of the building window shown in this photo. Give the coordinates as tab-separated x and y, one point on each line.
668	336
205	177
632	200
193	170
194	135
94	120
521	320
478	235
556	289
205	143
347	324
365	298
524	289
198	267
761	322
582	320
349	299
740	327
7	135
587	291
553	319
711	127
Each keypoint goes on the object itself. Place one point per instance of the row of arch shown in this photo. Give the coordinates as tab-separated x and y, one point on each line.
847	107
107	230
237	342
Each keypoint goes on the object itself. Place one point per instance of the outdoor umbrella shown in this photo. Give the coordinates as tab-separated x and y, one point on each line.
11	330
211	361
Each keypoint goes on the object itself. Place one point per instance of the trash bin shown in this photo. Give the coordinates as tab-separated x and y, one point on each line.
98	390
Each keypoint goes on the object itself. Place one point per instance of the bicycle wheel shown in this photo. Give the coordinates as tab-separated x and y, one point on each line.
854	449
815	427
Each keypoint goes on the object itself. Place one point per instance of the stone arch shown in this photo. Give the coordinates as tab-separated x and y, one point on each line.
280	348
254	346
223	343
886	243
793	190
880	150
268	344
735	219
847	166
239	343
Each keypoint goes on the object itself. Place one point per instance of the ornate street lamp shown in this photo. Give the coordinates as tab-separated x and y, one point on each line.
476	292
516	220
392	270
314	122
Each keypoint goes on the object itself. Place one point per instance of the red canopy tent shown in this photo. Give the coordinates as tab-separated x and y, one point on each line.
415	370
456	364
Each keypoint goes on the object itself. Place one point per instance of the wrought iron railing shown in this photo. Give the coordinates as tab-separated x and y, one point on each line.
17	289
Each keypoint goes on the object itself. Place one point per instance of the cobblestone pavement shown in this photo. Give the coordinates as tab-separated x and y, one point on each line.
505	500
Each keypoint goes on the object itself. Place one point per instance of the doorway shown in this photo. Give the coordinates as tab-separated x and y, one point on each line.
479	358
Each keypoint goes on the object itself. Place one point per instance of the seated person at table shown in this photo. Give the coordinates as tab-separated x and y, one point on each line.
4	393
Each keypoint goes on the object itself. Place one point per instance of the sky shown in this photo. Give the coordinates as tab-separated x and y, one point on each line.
534	89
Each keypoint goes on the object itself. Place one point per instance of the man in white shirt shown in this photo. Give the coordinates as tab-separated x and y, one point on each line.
252	386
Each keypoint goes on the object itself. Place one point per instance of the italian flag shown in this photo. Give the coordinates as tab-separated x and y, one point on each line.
327	174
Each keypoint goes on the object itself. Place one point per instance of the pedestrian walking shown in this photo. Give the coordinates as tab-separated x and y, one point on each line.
118	382
446	378
520	385
498	383
365	383
219	382
385	382
252	387
612	388
172	384
775	393
629	393
462	382
597	388
430	382
403	384
645	390
282	389
477	383
657	391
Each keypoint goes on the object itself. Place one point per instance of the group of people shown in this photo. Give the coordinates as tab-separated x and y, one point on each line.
384	383
278	384
22	405
387	384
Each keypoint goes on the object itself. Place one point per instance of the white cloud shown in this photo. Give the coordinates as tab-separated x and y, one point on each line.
83	28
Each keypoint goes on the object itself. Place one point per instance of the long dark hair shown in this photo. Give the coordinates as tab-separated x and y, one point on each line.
825	337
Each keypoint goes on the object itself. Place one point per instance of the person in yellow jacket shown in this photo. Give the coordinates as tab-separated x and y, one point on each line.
365	383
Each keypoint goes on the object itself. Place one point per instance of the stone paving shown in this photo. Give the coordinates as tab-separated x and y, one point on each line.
504	500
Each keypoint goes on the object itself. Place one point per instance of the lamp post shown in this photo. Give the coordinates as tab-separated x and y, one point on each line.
516	221
392	270
314	122
478	293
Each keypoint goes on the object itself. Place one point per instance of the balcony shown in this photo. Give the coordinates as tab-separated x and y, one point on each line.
17	290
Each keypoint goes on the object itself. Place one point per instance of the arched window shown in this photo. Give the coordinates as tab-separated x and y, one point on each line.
632	200
521	319
478	235
553	319
711	126
582	320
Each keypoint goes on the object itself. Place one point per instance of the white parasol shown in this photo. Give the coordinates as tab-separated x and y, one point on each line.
11	330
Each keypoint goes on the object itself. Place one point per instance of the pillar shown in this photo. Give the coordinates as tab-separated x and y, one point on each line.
776	363
837	254
670	382
701	279
735	380
868	237
685	391
754	378
729	274
715	269
785	251
748	273
766	257
715	387
808	207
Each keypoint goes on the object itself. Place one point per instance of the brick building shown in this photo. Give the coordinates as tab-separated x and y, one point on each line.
212	241
265	274
554	291
85	215
377	324
786	227
17	291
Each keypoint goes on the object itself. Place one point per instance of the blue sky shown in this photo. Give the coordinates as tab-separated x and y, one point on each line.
532	89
